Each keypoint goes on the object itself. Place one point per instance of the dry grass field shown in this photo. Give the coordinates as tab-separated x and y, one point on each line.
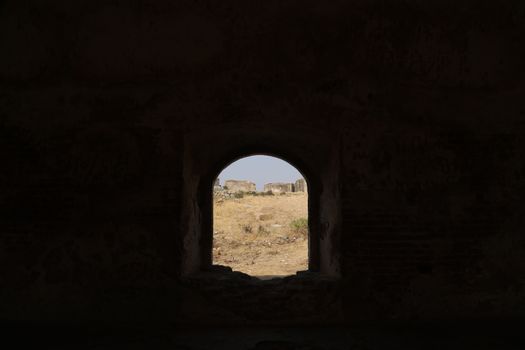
261	235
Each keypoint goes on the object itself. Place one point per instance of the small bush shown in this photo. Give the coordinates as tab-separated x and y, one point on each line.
263	230
238	195
300	226
247	228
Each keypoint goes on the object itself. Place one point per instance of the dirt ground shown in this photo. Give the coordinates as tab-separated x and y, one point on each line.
256	235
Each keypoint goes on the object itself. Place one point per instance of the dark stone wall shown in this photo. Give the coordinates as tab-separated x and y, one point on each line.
420	104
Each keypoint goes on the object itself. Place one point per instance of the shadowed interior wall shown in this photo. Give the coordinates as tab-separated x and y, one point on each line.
409	114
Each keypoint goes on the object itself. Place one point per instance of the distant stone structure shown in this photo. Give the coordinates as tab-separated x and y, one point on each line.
239	186
233	186
279	187
283	187
300	186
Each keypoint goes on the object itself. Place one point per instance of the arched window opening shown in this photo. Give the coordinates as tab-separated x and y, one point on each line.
260	217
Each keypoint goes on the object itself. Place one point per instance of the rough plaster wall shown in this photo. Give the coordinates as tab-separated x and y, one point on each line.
423	99
426	233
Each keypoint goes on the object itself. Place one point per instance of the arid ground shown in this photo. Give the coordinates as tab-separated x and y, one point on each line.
261	235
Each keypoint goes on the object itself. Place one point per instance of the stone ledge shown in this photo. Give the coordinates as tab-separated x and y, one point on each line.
304	298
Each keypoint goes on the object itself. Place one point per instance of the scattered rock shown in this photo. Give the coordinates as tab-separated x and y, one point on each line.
264	217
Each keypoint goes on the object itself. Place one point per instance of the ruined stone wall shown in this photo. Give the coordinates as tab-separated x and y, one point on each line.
300	186
417	107
239	186
279	187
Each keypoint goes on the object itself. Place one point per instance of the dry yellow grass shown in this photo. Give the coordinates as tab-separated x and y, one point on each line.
254	235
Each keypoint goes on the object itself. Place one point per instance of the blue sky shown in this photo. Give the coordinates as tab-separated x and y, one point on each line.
261	170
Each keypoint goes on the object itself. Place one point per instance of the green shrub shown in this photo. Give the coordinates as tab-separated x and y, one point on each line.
238	195
300	226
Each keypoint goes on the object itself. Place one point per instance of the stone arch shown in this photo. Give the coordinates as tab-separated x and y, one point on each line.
202	164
